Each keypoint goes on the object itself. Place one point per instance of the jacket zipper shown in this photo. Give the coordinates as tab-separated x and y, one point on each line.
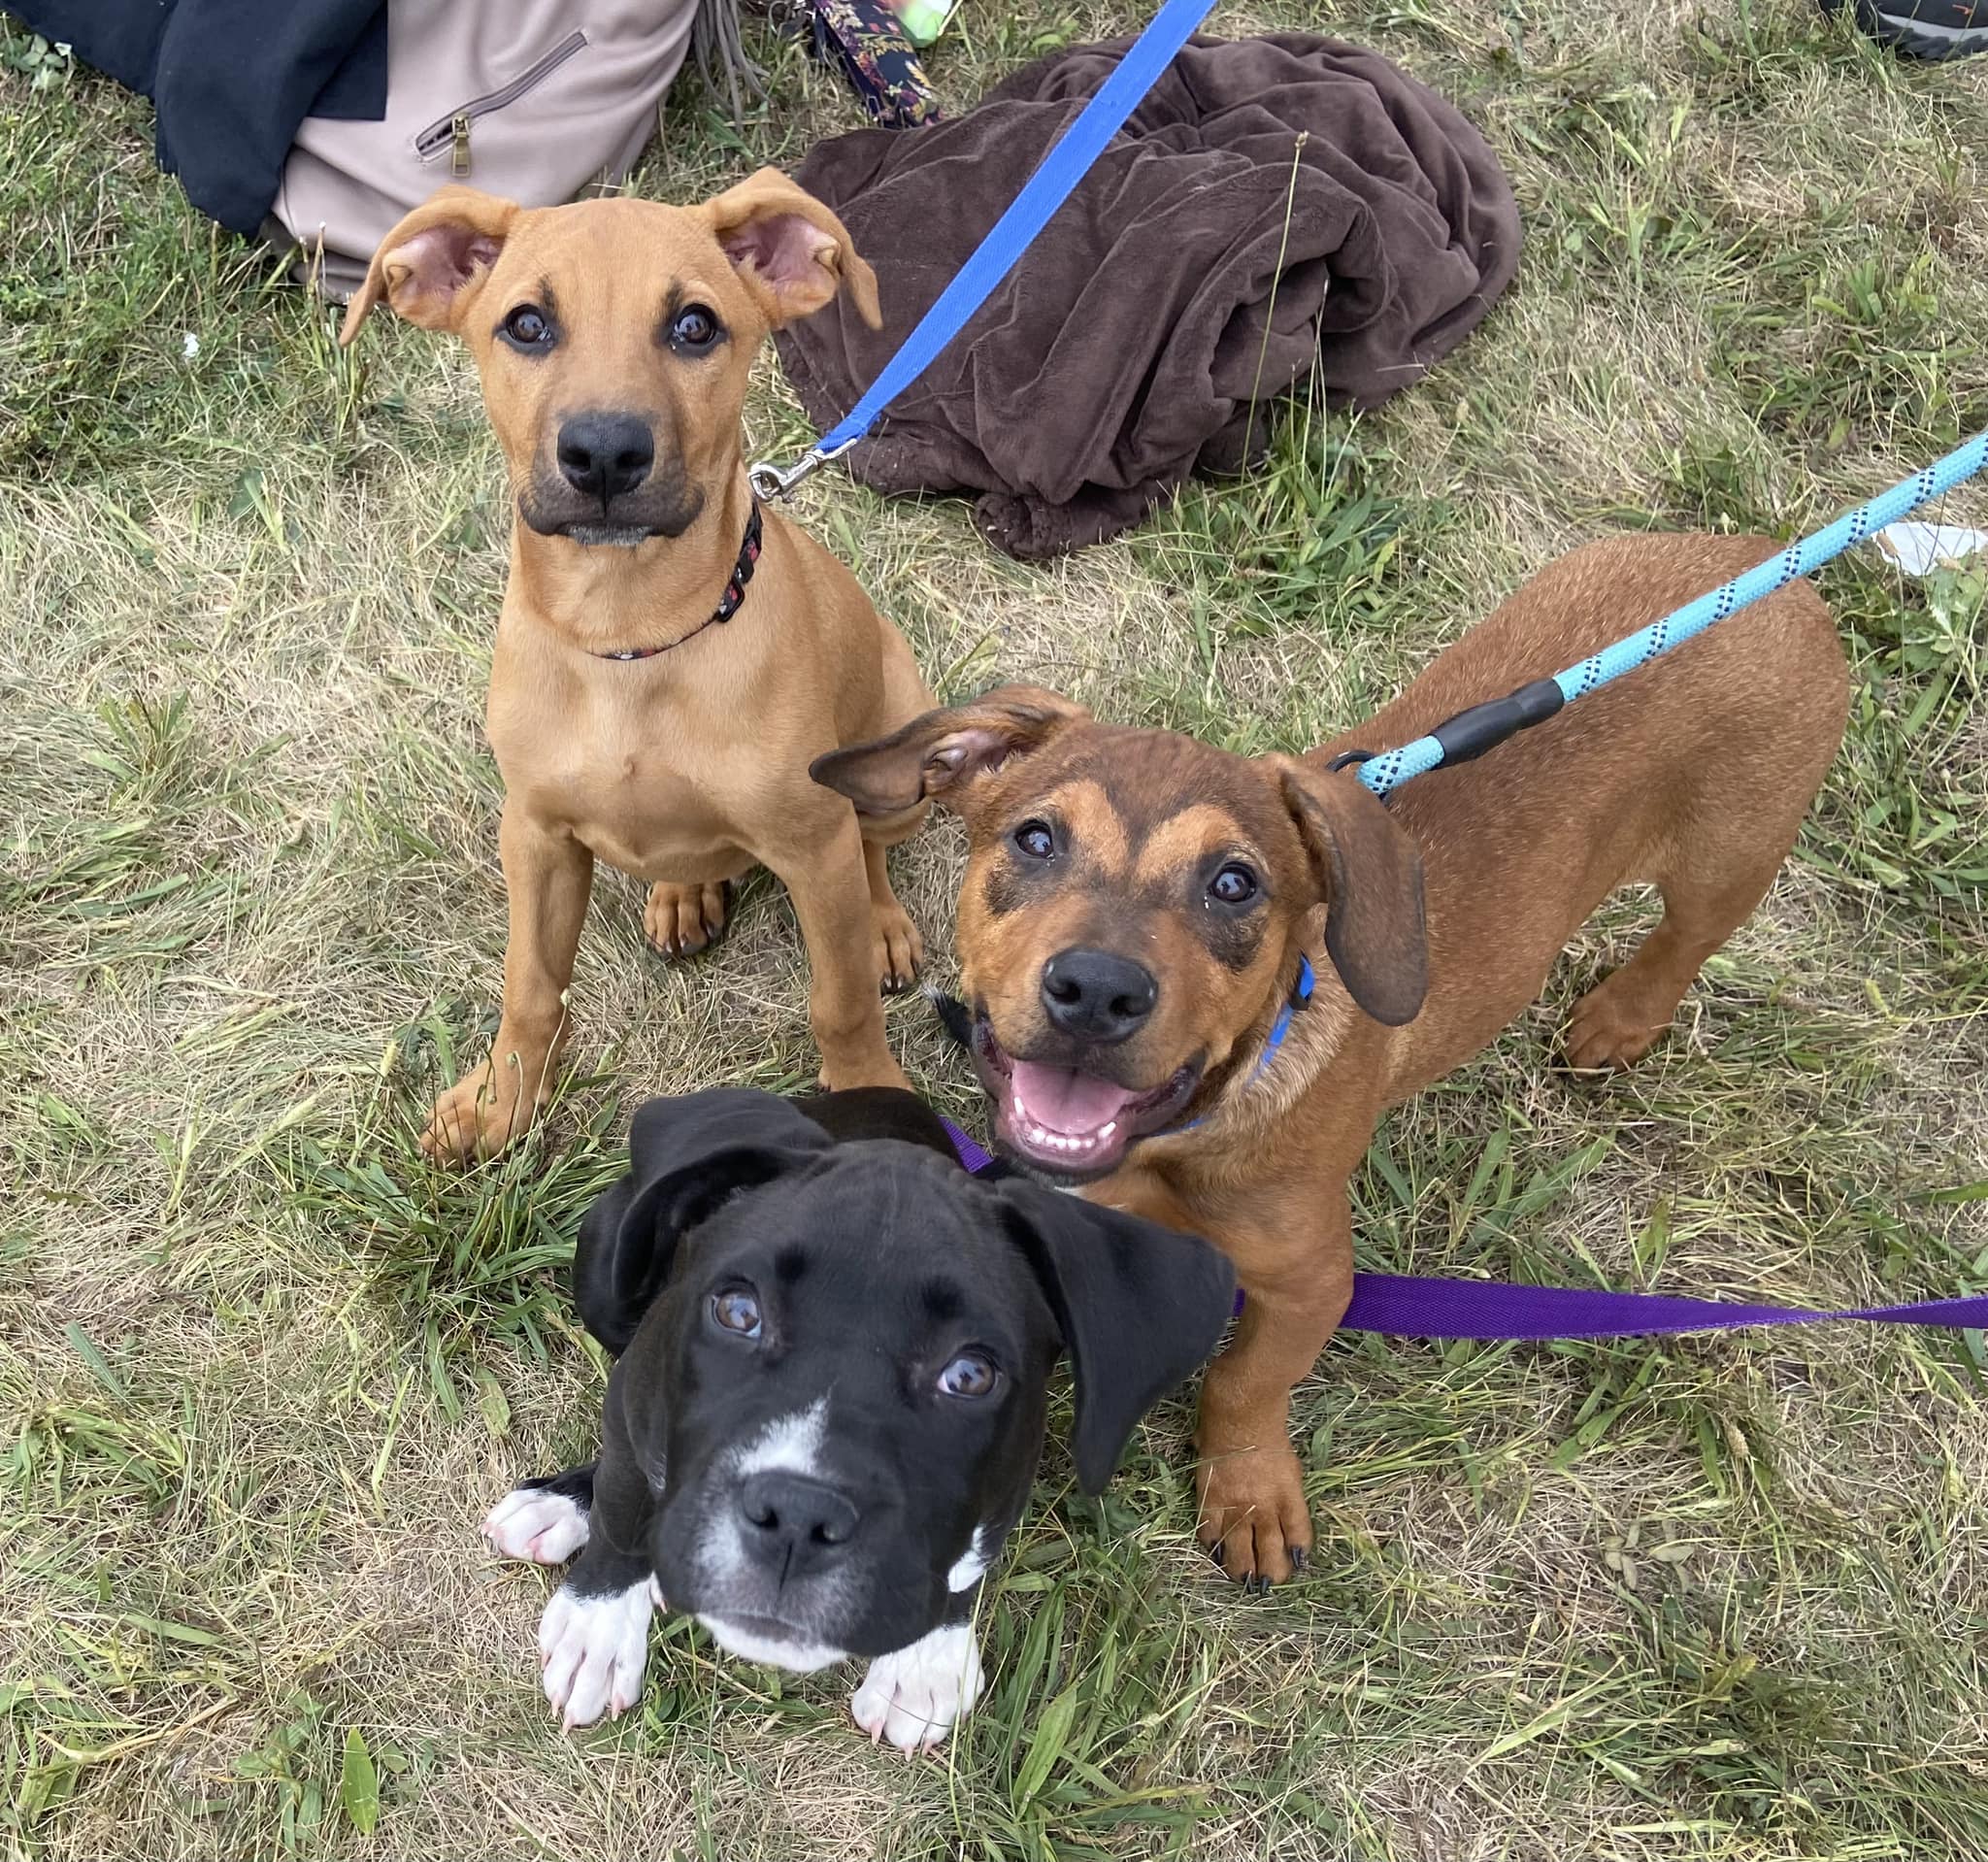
453	131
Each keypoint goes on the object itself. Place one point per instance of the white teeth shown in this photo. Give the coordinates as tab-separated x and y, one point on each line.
1042	1137
1032	1133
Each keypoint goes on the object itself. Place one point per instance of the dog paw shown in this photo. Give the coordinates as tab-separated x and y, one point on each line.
681	920
592	1650
478	1117
912	1697
896	946
535	1524
1610	1027
1254	1522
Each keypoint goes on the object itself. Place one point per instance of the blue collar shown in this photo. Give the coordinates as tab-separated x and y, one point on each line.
1301	994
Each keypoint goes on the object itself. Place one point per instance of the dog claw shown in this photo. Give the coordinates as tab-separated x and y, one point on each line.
663	908
1298	1558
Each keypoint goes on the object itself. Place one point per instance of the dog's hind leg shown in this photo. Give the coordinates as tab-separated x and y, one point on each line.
1710	884
688	911
681	920
1750	734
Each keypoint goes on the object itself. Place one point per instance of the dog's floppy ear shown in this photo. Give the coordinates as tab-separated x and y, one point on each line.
935	755
791	251
1368	872
434	263
1139	1308
685	1157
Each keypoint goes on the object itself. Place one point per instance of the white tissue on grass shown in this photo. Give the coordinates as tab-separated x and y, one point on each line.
1919	548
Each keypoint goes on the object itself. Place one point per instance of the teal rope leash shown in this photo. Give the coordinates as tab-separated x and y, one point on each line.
1472	732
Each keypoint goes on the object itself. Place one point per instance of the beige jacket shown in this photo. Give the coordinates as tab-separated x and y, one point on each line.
532	99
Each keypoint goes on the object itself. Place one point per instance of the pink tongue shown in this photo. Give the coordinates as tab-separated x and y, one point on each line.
1073	1104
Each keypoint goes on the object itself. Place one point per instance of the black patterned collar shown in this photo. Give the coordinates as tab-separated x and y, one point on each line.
730	603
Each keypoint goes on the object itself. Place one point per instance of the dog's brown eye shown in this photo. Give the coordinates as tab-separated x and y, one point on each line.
1234	885
695	328
737	1311
970	1374
528	327
1035	840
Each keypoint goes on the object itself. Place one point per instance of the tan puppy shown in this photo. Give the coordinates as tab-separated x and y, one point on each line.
669	660
1137	909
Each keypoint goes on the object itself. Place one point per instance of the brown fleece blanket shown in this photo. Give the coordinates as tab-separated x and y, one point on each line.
1276	205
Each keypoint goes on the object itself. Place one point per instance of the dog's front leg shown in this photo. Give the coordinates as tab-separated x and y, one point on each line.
1297	1281
913	1697
825	874
593	1639
547	876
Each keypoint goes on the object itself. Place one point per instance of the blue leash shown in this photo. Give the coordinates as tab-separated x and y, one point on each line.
1011	236
1472	732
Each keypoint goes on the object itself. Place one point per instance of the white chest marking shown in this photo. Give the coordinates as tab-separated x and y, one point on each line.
972	1564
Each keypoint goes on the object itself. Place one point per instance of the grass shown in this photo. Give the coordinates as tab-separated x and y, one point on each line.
1704	1598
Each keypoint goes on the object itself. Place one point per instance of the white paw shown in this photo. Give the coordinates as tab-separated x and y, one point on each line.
592	1650
535	1523
913	1696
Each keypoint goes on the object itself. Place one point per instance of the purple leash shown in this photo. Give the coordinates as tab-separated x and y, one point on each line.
1412	1306
974	1156
1431	1309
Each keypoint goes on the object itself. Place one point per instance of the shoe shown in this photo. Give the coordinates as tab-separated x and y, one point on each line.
1929	30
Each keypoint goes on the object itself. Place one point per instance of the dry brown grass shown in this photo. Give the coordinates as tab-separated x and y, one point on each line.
1704	1598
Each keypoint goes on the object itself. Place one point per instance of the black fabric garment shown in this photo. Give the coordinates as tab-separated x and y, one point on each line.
1278	209
230	80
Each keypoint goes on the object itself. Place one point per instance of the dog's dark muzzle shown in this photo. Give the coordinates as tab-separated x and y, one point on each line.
604	485
802	1560
795	1526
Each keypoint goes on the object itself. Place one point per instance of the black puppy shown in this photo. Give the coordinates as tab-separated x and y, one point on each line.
834	1348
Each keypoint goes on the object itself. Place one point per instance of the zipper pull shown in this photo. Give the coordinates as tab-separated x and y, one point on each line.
459	143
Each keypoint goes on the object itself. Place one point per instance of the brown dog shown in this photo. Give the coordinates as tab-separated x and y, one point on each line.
648	707
1138	910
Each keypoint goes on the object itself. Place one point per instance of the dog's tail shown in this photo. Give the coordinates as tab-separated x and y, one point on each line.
953	1014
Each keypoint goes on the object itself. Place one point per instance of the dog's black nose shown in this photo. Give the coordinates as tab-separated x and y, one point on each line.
794	1521
1096	996
604	454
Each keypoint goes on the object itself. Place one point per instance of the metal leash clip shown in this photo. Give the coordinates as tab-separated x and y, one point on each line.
768	481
